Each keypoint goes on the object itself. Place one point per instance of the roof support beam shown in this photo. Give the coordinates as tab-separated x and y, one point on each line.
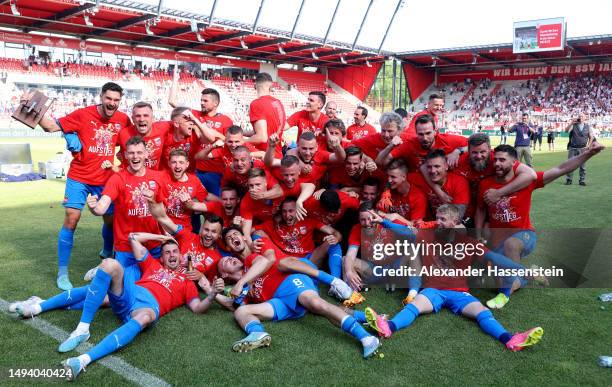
301	48
62	15
169	34
266	43
382	42
332	52
362	23
297	19
331	22
122	24
261	4
212	12
218	39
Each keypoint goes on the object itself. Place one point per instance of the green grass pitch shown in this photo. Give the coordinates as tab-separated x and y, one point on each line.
185	349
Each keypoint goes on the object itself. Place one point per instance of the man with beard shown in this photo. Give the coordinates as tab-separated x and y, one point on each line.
274	295
153	134
511	231
453	185
402	197
292	184
178	185
126	190
98	129
352	176
450	291
139	305
331	110
267	115
360	128
414	150
296	237
216	157
314	161
311	119
435	108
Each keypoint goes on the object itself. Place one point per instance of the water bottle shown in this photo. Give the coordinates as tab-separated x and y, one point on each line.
240	299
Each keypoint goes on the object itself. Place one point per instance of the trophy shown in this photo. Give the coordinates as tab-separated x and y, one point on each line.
31	111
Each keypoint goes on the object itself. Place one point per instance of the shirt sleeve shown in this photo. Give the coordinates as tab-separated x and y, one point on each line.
355	236
293	119
72	122
539	182
256	111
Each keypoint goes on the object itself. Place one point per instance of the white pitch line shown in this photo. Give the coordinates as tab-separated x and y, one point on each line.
113	363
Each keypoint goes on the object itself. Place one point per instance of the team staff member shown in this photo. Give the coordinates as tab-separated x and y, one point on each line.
522	141
581	136
360	128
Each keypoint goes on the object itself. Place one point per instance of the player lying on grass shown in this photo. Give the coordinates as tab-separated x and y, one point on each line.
160	290
511	231
274	295
450	292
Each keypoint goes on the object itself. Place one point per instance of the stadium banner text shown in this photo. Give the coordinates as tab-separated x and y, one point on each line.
528	72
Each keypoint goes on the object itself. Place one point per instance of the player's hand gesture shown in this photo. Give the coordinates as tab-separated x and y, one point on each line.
371	166
218	144
202	281
353	279
301	212
257	245
396	140
148	195
595	148
184	197
92	201
317	194
375	217
444	197
330	239
258	195
453	158
273	140
237	289
219	285
306	169
237	221
167	238
491	196
332	141
352	194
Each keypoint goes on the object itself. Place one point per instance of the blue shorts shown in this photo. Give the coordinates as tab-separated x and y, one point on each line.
133	297
211	181
131	270
285	302
75	195
450	299
529	239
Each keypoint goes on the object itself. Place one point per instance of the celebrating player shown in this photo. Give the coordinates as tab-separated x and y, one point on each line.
267	115
310	119
360	128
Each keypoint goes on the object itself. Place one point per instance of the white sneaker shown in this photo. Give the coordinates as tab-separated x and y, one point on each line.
340	289
30	301
26	311
91	273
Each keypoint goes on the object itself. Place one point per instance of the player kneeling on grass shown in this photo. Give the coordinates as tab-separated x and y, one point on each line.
450	292
275	295
160	290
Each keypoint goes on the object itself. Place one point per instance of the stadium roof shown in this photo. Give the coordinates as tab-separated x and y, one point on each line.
138	23
585	49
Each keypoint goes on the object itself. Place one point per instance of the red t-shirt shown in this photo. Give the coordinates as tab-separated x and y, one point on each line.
131	208
319	164
99	138
412	206
263	288
220	159
191	145
154	142
410	131
170	190
355	132
220	123
371	145
339	178
414	155
316	211
456	186
510	213
258	210
170	288
302	120
294	191
270	109
296	240
203	259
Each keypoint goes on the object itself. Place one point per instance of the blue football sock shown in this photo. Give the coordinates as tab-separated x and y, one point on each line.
506	291
325	277
492	327
404	318
64	299
117	339
107	237
64	249
254	326
335	260
95	295
359	316
353	328
76	306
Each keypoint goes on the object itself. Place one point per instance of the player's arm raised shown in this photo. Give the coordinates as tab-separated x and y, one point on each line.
158	211
336	144
384	157
573	163
260	265
98	207
269	159
47	123
172	96
138	238
306	191
525	175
